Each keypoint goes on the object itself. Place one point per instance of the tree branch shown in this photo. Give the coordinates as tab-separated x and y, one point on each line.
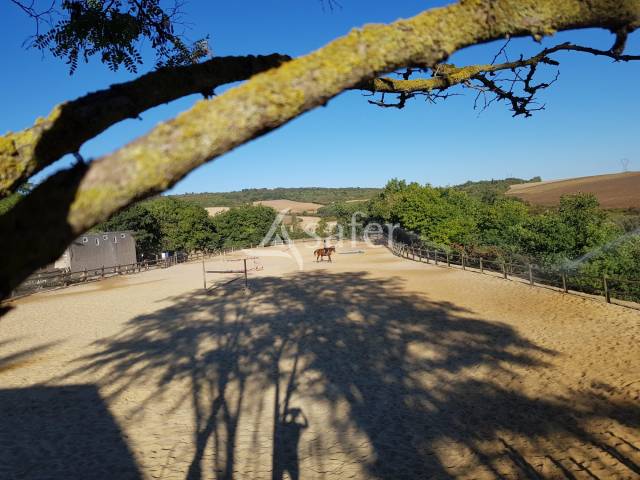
33	235
445	76
27	152
37	15
70	124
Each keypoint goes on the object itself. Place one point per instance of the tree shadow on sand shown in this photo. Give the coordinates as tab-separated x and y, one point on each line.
61	433
431	389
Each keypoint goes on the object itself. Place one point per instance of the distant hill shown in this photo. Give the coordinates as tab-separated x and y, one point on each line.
308	195
618	190
487	189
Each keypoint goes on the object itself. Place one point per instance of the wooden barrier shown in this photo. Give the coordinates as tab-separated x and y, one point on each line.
526	272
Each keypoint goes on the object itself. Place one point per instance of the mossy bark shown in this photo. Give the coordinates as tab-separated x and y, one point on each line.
158	160
69	125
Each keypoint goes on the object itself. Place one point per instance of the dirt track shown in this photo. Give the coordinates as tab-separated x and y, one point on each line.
370	367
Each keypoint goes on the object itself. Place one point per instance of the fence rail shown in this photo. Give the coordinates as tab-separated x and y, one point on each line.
42	281
608	287
64	278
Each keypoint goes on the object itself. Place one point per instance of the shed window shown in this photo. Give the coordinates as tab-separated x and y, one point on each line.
85	240
105	237
122	235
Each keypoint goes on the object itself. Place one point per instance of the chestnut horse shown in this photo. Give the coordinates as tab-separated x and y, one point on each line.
324	252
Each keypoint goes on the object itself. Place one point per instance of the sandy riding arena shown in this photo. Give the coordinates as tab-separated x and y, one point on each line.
371	367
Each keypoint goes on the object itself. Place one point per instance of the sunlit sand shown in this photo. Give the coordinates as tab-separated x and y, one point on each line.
368	367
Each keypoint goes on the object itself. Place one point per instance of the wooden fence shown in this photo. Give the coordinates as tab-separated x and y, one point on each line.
608	287
63	278
42	281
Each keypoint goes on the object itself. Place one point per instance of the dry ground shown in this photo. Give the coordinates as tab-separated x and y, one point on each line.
370	367
290	205
213	211
619	190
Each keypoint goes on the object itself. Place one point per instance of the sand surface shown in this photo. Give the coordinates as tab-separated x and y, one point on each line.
618	190
371	367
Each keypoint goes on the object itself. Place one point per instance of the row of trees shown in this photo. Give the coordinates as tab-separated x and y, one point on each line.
167	224
303	194
576	235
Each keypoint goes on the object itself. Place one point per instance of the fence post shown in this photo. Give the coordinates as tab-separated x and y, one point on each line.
463	266
564	282
481	266
530	275
427	255
246	281
607	295
504	270
84	275
204	276
448	262
102	272
435	255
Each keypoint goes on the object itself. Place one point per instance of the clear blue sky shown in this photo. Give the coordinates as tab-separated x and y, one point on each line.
590	123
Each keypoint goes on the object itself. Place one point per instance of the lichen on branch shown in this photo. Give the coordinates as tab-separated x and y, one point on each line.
69	125
483	78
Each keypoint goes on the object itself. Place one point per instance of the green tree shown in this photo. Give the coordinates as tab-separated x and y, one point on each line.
145	225
245	225
501	223
185	226
322	228
589	224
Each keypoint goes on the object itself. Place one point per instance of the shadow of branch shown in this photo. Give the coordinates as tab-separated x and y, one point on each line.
405	366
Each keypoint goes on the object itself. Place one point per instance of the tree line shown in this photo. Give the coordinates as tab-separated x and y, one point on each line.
576	236
304	194
167	224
